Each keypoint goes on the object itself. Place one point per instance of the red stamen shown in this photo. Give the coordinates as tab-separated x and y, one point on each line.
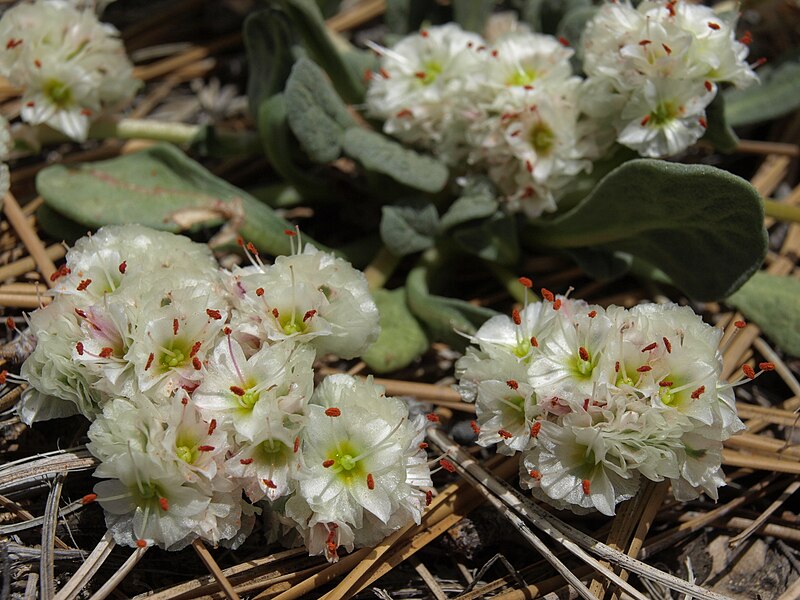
141	543
370	481
260	291
766	366
212	426
535	428
428	497
270	484
494	53
649	347
83	284
123	266
527	283
748	371
503	433
275	313
616	367
586	485
11	324
447	465
557	304
645	42
308	315
197	363
592	314
88	499
175	326
433	418
423	445
535	474
402	114
79	348
333	412
583	353
149	361
252	249
513	384
205	448
385	74
475	427
703	122
12	43
563	41
515	317
547	295
328	463
106	352
665	383
227	330
644	369
740	324
81	313
534	341
698	392
214	314
62	271
709	85
667	345
586	404
296	444
246	461
424	33
645	120
420	75
195	348
164	504
714	26
237	390
746	38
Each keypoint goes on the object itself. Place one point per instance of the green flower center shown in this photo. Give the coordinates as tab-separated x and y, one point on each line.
664	113
58	92
187	454
542	138
345	464
274	453
522	77
292	323
432	70
522	349
249	399
174	355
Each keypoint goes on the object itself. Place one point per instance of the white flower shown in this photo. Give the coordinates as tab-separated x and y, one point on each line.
362	459
506	411
72	67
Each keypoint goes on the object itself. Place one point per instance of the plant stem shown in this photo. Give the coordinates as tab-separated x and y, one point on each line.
511	282
781	211
149	129
381	268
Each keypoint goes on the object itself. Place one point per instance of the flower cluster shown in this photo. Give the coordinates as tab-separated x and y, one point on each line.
652	71
594	399
513	109
200	386
71	67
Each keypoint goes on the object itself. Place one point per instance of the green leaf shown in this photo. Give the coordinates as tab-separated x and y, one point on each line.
719	134
162	188
380	154
306	16
778	94
702	226
472	14
59	227
443	317
211	141
573	23
316	114
409	228
267	40
279	143
477	202
544	16
772	303
601	264
402	339
494	239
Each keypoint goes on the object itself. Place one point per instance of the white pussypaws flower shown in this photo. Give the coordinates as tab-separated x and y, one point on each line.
71	67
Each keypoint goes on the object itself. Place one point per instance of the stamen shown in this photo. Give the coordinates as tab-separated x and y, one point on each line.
527	283
474	426
505	434
88	499
296	444
592	314
328	463
62	271
667	345
246	461
333	412
714	26
709	85
587	486
740	324
212	426
667	49
513	384
557	304
237	390
106	352
535	428
205	448
123	267
308	315
748	371
423	445
644	369
81	313
515	317
534	341
175	326
270	484
79	349
83	284
428	497
433	418
645	120
616	367
649	347
583	353
563	41
766	366
698	392
140	543
195	348
164	504
10	323
196	363
535	474
547	295
214	314
149	361
665	383
447	465
370	481
260	291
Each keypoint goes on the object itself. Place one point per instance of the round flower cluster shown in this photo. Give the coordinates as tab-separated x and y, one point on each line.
652	70
594	399
513	109
71	67
200	386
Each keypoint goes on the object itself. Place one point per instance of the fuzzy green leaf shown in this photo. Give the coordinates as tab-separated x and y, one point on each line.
267	39
402	339
772	303
472	14
162	188
778	94
478	202
380	154
719	133
316	114
701	226
406	229
494	239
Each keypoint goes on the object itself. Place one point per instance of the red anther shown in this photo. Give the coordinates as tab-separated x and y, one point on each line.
616	367
385	74
11	324
534	341
185	399
671	7
296	445
105	352
370	481
275	313
227	330
740	324
86	112
748	371
424	33
88	498
586	404
402	114
141	543
535	474
260	291
433	418
3	376
197	363
563	41
592	314
645	42
367	75
665	383
535	428
587	486
505	434
475	427
333	412
428	497
649	347
644	369
246	461
205	448
667	345
761	61
123	266
714	26
423	445
766	366
645	120
175	326
290	232
309	314
79	348
164	504
547	295
212	426
328	463
420	74
747	38
513	384
703	122
12	43
447	465
494	53
252	249
515	317
149	361
529	166
83	284
556	303
37	63
481	48
698	392
331	548
214	314
240	241
30	104
237	390
195	348
527	283
583	353
81	313
470	44
62	271
709	85
270	484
